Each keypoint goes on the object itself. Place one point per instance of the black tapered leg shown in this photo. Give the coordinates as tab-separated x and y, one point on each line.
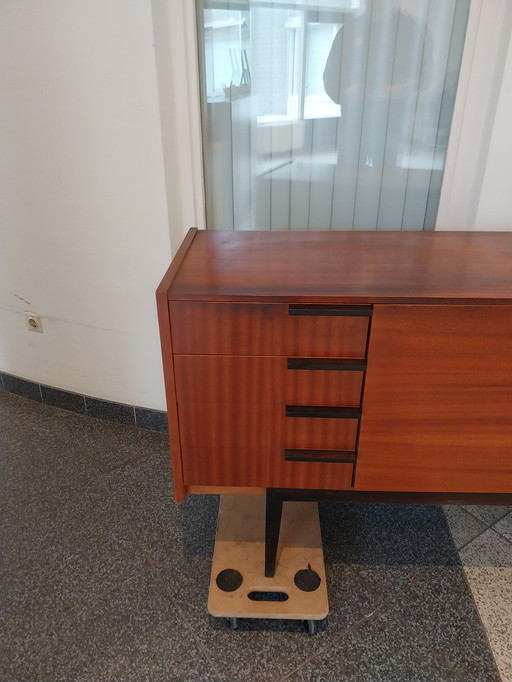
273	513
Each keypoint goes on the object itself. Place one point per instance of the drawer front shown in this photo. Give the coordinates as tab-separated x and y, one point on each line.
302	433
259	380
313	452
203	328
306	475
218	466
244	425
225	425
228	379
331	386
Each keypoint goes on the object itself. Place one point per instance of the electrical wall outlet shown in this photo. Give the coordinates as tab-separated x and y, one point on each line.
34	322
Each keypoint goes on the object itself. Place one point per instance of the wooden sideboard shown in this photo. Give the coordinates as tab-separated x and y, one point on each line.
373	364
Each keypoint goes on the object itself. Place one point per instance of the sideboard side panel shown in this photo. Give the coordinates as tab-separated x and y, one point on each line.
164	323
437	410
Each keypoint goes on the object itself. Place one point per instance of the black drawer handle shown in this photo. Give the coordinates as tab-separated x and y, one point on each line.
327	363
323	412
331	310
346	456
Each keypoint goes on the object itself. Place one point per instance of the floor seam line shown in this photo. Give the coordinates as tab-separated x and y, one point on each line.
354	627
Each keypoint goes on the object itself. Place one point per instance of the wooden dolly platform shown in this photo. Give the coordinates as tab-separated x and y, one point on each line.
238	586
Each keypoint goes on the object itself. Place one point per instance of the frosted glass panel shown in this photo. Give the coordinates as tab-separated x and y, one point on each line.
327	114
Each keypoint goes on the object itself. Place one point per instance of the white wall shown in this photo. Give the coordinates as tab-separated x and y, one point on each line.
494	210
84	235
479	97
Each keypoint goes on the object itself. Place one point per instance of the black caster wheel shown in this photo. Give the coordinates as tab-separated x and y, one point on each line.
233	623
312	627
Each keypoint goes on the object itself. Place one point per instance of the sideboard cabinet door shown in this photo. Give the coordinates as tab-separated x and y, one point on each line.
437	408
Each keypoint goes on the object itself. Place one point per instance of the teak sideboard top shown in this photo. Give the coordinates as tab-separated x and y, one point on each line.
358	267
349	361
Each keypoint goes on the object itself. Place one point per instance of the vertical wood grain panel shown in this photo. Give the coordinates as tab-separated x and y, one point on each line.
164	323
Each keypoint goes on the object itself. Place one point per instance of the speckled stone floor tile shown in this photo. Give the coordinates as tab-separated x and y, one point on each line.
488	567
489	549
382	648
492	591
110	446
28	653
61	550
489	514
135	633
437	604
38	453
143	490
20	417
504	527
464	527
387	534
131	633
32	465
57	554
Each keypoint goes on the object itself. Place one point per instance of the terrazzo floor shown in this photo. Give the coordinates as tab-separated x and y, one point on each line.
104	577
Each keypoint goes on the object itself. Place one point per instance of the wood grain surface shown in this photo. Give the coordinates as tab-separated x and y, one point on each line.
437	409
347	267
263	329
316	433
308	475
257	380
224	466
218	438
164	323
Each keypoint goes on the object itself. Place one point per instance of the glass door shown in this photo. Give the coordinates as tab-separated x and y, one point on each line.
327	114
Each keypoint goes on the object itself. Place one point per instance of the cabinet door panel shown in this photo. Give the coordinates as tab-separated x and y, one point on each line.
437	407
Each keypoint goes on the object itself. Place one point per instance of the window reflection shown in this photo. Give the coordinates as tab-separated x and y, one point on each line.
328	115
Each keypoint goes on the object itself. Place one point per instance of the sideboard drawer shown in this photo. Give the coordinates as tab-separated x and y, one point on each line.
335	384
225	425
265	379
308	475
228	379
224	466
204	328
317	433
